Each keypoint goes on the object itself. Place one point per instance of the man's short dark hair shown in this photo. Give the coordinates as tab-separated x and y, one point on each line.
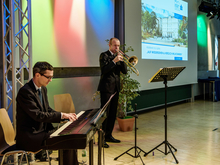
41	67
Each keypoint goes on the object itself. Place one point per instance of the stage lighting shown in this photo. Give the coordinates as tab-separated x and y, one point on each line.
210	8
206	7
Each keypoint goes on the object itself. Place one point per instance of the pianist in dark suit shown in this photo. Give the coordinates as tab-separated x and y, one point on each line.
111	64
34	115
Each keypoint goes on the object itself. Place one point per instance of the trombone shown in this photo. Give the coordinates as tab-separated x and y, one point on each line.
130	62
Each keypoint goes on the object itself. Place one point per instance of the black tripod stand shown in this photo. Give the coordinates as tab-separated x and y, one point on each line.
137	153
164	75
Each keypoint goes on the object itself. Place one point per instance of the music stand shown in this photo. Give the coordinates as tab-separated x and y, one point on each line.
166	74
137	153
96	122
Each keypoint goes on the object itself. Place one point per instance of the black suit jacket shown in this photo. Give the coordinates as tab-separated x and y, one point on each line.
110	73
33	119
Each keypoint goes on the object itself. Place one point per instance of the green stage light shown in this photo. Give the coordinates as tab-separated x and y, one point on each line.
201	31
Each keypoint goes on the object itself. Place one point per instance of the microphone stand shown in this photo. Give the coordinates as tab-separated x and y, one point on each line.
137	153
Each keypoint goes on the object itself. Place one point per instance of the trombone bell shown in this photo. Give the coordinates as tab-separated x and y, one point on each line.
133	60
130	62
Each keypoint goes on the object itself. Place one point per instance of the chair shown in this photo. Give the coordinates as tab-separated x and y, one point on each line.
48	156
7	136
64	103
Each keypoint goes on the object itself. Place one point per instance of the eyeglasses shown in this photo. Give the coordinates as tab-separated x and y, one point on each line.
48	77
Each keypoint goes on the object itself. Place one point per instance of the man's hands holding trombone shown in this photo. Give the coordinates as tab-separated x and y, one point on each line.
130	61
119	57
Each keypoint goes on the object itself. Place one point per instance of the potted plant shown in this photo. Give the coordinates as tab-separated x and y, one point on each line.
129	91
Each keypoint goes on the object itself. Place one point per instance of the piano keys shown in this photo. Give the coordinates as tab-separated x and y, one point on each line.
77	134
56	133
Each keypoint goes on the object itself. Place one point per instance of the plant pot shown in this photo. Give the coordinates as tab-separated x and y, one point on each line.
126	124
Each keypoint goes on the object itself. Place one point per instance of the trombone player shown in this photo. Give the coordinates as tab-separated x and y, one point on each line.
111	64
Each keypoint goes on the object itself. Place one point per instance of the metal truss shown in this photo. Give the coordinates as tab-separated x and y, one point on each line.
17	49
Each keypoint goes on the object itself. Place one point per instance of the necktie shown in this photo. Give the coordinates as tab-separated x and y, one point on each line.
40	95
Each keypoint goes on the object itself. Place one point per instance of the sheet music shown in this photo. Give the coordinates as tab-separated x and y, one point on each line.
170	73
155	75
103	109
